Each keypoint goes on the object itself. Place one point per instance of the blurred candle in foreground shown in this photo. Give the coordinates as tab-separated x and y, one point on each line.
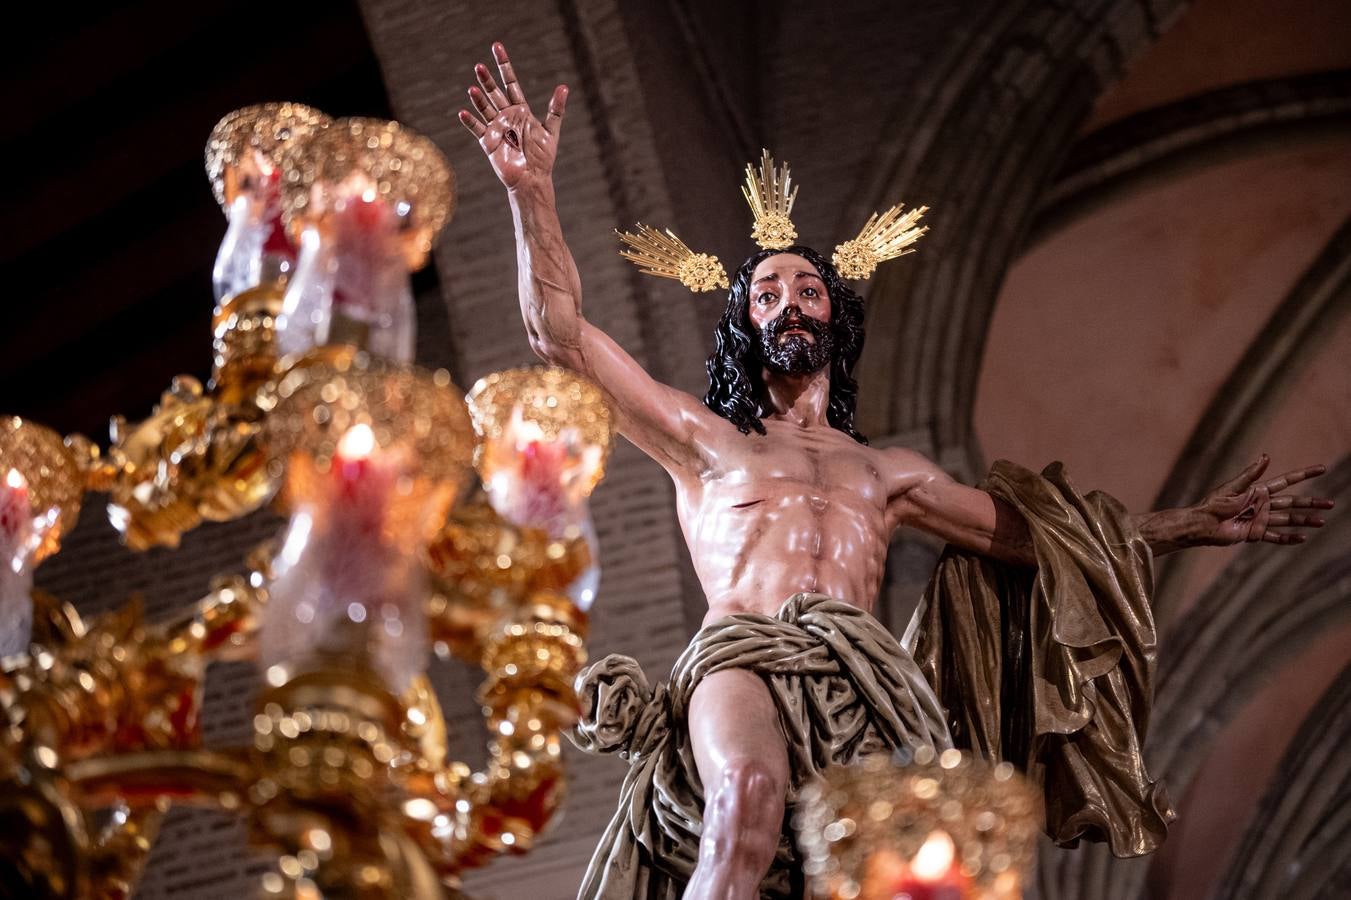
17	542
348	586
256	256
932	874
364	198
546	434
920	825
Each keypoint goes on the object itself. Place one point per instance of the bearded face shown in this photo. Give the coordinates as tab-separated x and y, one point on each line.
796	344
788	311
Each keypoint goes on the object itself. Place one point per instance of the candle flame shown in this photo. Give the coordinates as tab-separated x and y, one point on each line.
357	443
935	857
15	480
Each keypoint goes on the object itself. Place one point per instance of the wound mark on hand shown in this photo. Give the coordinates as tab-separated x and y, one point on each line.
512	139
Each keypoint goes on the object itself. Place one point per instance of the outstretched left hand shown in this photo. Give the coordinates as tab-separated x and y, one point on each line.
1248	509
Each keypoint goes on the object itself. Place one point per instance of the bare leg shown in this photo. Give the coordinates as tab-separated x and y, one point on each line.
743	763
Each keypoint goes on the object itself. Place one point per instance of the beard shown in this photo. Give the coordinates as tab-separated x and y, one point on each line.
796	355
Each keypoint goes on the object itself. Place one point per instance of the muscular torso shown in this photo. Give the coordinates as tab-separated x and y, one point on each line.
798	509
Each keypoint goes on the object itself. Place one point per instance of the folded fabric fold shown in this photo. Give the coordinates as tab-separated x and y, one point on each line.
1052	668
842	686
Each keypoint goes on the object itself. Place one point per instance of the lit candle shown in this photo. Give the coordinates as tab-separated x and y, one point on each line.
16	520
352	458
347	580
16	579
932	874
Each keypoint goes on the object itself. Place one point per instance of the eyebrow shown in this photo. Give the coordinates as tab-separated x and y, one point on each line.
774	276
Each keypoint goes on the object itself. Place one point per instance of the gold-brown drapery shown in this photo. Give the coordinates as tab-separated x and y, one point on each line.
1052	668
842	685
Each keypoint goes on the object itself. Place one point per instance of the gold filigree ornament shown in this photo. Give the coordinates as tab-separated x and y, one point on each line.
666	256
885	236
247	143
771	195
373	159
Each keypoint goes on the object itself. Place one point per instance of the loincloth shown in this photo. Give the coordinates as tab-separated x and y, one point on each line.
842	684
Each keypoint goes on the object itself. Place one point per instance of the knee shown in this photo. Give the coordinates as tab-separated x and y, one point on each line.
749	794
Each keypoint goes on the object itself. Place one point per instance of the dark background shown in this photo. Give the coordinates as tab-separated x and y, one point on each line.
108	242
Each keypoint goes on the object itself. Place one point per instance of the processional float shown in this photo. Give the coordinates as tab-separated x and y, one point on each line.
417	521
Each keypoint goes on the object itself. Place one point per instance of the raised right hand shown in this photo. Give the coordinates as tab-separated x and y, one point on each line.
518	145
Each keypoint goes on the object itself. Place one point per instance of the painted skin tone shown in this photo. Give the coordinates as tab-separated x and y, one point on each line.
803	508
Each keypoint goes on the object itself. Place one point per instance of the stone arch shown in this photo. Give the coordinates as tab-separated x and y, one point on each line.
985	148
1197	131
1254	388
1299	841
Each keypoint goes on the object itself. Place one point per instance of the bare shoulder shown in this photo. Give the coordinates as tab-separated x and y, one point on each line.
904	468
908	473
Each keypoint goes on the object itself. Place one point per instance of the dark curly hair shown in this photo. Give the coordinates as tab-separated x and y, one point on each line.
736	389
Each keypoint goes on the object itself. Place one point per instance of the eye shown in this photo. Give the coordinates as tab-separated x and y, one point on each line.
766	298
810	292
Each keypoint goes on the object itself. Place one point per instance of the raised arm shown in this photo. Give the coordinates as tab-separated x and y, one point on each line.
1246	508
660	420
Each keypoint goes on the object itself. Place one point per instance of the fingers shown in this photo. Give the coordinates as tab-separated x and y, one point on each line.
1297	520
557	106
1295	477
1245	478
1284	537
509	83
485	107
485	80
1289	502
473	123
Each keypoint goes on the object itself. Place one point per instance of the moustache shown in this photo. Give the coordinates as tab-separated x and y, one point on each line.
792	318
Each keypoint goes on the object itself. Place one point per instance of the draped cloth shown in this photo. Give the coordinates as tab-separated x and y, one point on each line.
1050	668
842	685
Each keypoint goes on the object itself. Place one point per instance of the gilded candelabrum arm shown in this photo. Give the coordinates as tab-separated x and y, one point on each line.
102	714
139	787
224	624
485	569
499	604
192	459
531	656
149	778
113	686
118	853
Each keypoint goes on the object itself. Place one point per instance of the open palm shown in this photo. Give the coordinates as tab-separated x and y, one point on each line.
517	144
1248	509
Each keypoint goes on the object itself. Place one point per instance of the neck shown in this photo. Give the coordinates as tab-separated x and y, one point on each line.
800	399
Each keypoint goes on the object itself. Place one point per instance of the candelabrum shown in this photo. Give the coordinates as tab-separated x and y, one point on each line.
918	826
392	550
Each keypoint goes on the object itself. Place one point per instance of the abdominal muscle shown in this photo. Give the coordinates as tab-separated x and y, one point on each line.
754	547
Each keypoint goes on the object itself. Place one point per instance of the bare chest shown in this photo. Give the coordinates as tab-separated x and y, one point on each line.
819	466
